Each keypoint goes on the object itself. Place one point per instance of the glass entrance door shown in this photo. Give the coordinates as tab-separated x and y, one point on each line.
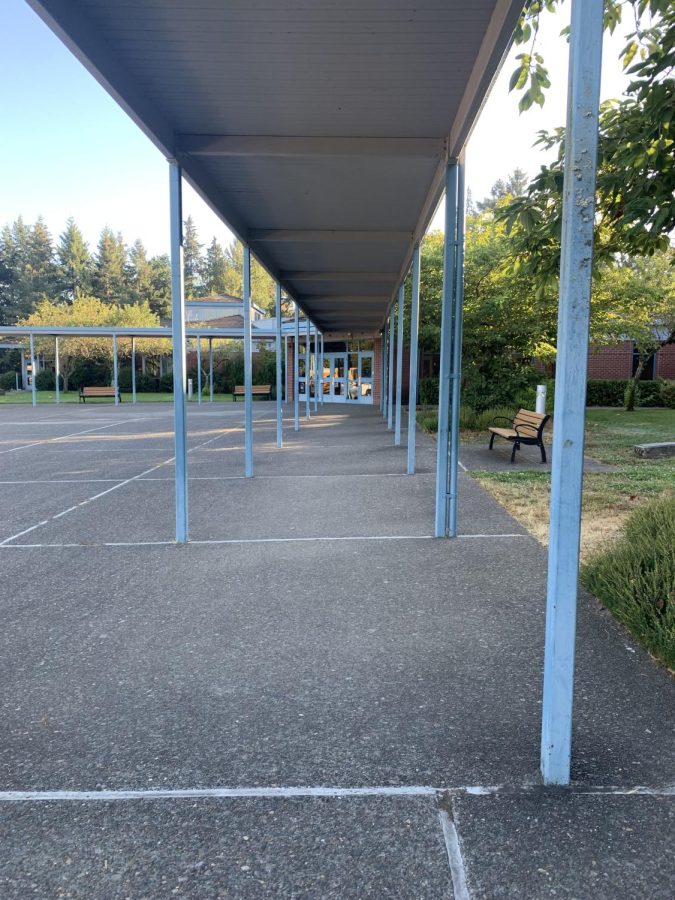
333	382
360	381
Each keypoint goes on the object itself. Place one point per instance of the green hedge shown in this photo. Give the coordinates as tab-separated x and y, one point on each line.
635	578
45	380
7	381
611	392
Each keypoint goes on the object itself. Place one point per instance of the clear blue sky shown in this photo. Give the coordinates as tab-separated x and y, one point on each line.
67	149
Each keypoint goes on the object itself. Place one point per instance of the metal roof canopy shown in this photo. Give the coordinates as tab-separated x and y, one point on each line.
319	131
262	330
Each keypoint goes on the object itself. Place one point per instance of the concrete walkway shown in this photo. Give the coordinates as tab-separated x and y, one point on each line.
330	702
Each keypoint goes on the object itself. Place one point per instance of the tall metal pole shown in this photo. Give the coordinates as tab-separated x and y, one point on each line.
307	330
199	369
57	369
381	372
210	370
33	388
414	340
385	368
280	412
442	449
390	374
583	94
133	370
296	362
316	369
456	381
321	355
399	364
248	367
178	347
115	371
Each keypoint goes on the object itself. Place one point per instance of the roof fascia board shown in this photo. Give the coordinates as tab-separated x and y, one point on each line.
220	145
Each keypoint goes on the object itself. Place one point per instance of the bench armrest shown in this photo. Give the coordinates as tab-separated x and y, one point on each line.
502	419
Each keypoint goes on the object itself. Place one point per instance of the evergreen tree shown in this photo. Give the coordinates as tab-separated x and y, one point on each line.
160	299
139	274
27	268
215	269
110	274
192	258
74	261
514	186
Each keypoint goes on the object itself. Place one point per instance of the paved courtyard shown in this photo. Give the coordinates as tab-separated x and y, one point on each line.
314	698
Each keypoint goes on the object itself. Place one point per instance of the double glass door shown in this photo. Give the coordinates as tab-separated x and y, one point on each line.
347	377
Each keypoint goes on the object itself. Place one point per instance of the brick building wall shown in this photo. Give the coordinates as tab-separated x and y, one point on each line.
665	362
611	362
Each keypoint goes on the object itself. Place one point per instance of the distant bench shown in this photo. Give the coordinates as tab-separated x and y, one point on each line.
98	392
258	390
526	427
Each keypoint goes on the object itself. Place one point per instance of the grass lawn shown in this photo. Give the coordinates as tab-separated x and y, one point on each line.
609	497
74	397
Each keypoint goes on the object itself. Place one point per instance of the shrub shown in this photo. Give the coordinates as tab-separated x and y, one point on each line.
631	396
8	381
605	392
90	373
428	391
668	394
166	383
635	578
428	421
502	384
45	380
650	393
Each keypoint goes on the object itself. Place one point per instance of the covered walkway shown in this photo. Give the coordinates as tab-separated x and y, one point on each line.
340	700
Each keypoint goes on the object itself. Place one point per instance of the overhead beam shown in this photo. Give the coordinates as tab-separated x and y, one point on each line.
303	145
310	299
338	276
259	235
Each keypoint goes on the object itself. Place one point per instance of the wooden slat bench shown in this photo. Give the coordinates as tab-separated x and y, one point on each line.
98	392
258	390
527	427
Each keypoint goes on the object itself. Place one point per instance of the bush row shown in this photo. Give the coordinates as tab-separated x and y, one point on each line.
606	392
599	392
635	578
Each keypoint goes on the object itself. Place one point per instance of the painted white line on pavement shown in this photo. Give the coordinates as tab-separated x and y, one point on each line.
455	859
63	437
109	490
337	791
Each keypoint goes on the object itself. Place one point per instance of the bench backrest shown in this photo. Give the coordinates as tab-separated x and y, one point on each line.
97	391
255	389
534	420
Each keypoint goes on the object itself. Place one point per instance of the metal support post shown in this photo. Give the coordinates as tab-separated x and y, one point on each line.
414	339
296	363
442	450
115	371
280	412
399	364
199	369
248	367
178	329
57	369
210	370
133	370
33	388
307	413
456	354
286	368
385	367
316	369
322	354
583	93
390	374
